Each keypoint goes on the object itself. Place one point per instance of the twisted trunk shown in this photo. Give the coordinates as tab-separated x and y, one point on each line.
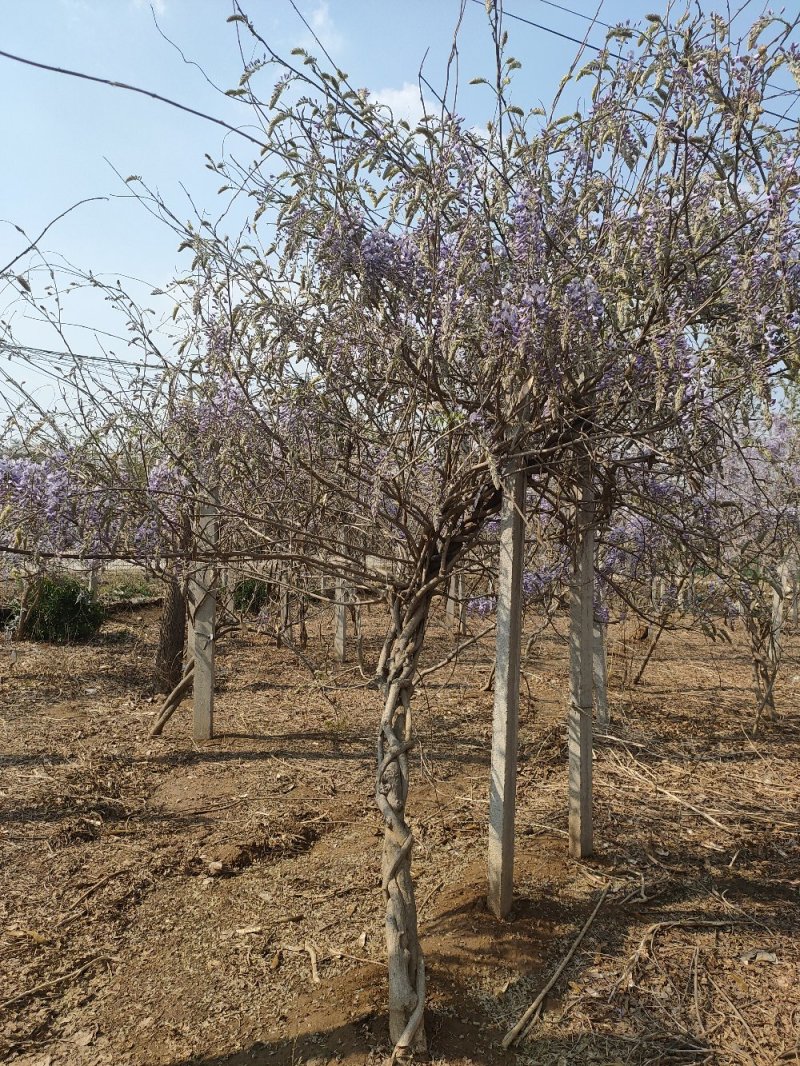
763	623
171	636
396	671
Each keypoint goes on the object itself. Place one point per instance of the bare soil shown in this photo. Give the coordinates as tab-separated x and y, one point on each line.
166	903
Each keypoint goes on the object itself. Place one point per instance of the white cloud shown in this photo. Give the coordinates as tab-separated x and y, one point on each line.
404	102
324	29
159	6
75	8
78	8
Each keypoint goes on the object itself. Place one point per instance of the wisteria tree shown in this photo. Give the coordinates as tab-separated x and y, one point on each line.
410	317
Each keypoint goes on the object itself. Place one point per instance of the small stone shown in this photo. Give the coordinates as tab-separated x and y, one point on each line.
82	1038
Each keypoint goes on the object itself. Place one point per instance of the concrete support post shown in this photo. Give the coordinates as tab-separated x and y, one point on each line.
203	616
502	793
579	726
450	608
600	674
340	620
95	570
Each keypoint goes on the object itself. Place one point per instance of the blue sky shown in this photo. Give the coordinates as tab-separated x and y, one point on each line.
65	137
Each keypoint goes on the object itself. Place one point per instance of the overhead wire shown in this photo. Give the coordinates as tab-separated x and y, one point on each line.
593	47
25	350
555	33
578	14
106	371
111	83
133	89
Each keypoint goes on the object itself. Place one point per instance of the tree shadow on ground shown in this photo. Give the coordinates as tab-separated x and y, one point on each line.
37	759
333	746
366	1040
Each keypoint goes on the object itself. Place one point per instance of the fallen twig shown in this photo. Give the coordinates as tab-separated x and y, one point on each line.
696	992
45	985
336	954
85	895
312	954
429	896
736	1011
307	949
646	943
522	1024
645	780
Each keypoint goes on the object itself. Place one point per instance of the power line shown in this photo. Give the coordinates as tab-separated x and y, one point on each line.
579	14
586	44
254	140
25	351
555	33
599	22
133	89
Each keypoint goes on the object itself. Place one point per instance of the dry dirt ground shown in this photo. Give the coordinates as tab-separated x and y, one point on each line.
166	903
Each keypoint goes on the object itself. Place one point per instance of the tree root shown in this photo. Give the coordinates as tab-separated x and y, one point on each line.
173	701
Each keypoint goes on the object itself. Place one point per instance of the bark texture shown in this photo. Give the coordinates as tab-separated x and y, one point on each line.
396	671
171	636
763	616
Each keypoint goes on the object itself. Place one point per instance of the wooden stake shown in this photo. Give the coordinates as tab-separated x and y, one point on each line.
191	593
205	616
450	608
229	590
579	726
462	608
340	617
285	604
600	674
95	571
778	598
502	793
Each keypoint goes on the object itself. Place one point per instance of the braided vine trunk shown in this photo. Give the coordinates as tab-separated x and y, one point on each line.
764	624
396	671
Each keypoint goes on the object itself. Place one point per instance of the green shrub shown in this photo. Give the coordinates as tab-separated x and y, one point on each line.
250	595
63	611
130	588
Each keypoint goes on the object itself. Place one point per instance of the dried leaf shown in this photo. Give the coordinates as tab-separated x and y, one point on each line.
31	934
758	955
